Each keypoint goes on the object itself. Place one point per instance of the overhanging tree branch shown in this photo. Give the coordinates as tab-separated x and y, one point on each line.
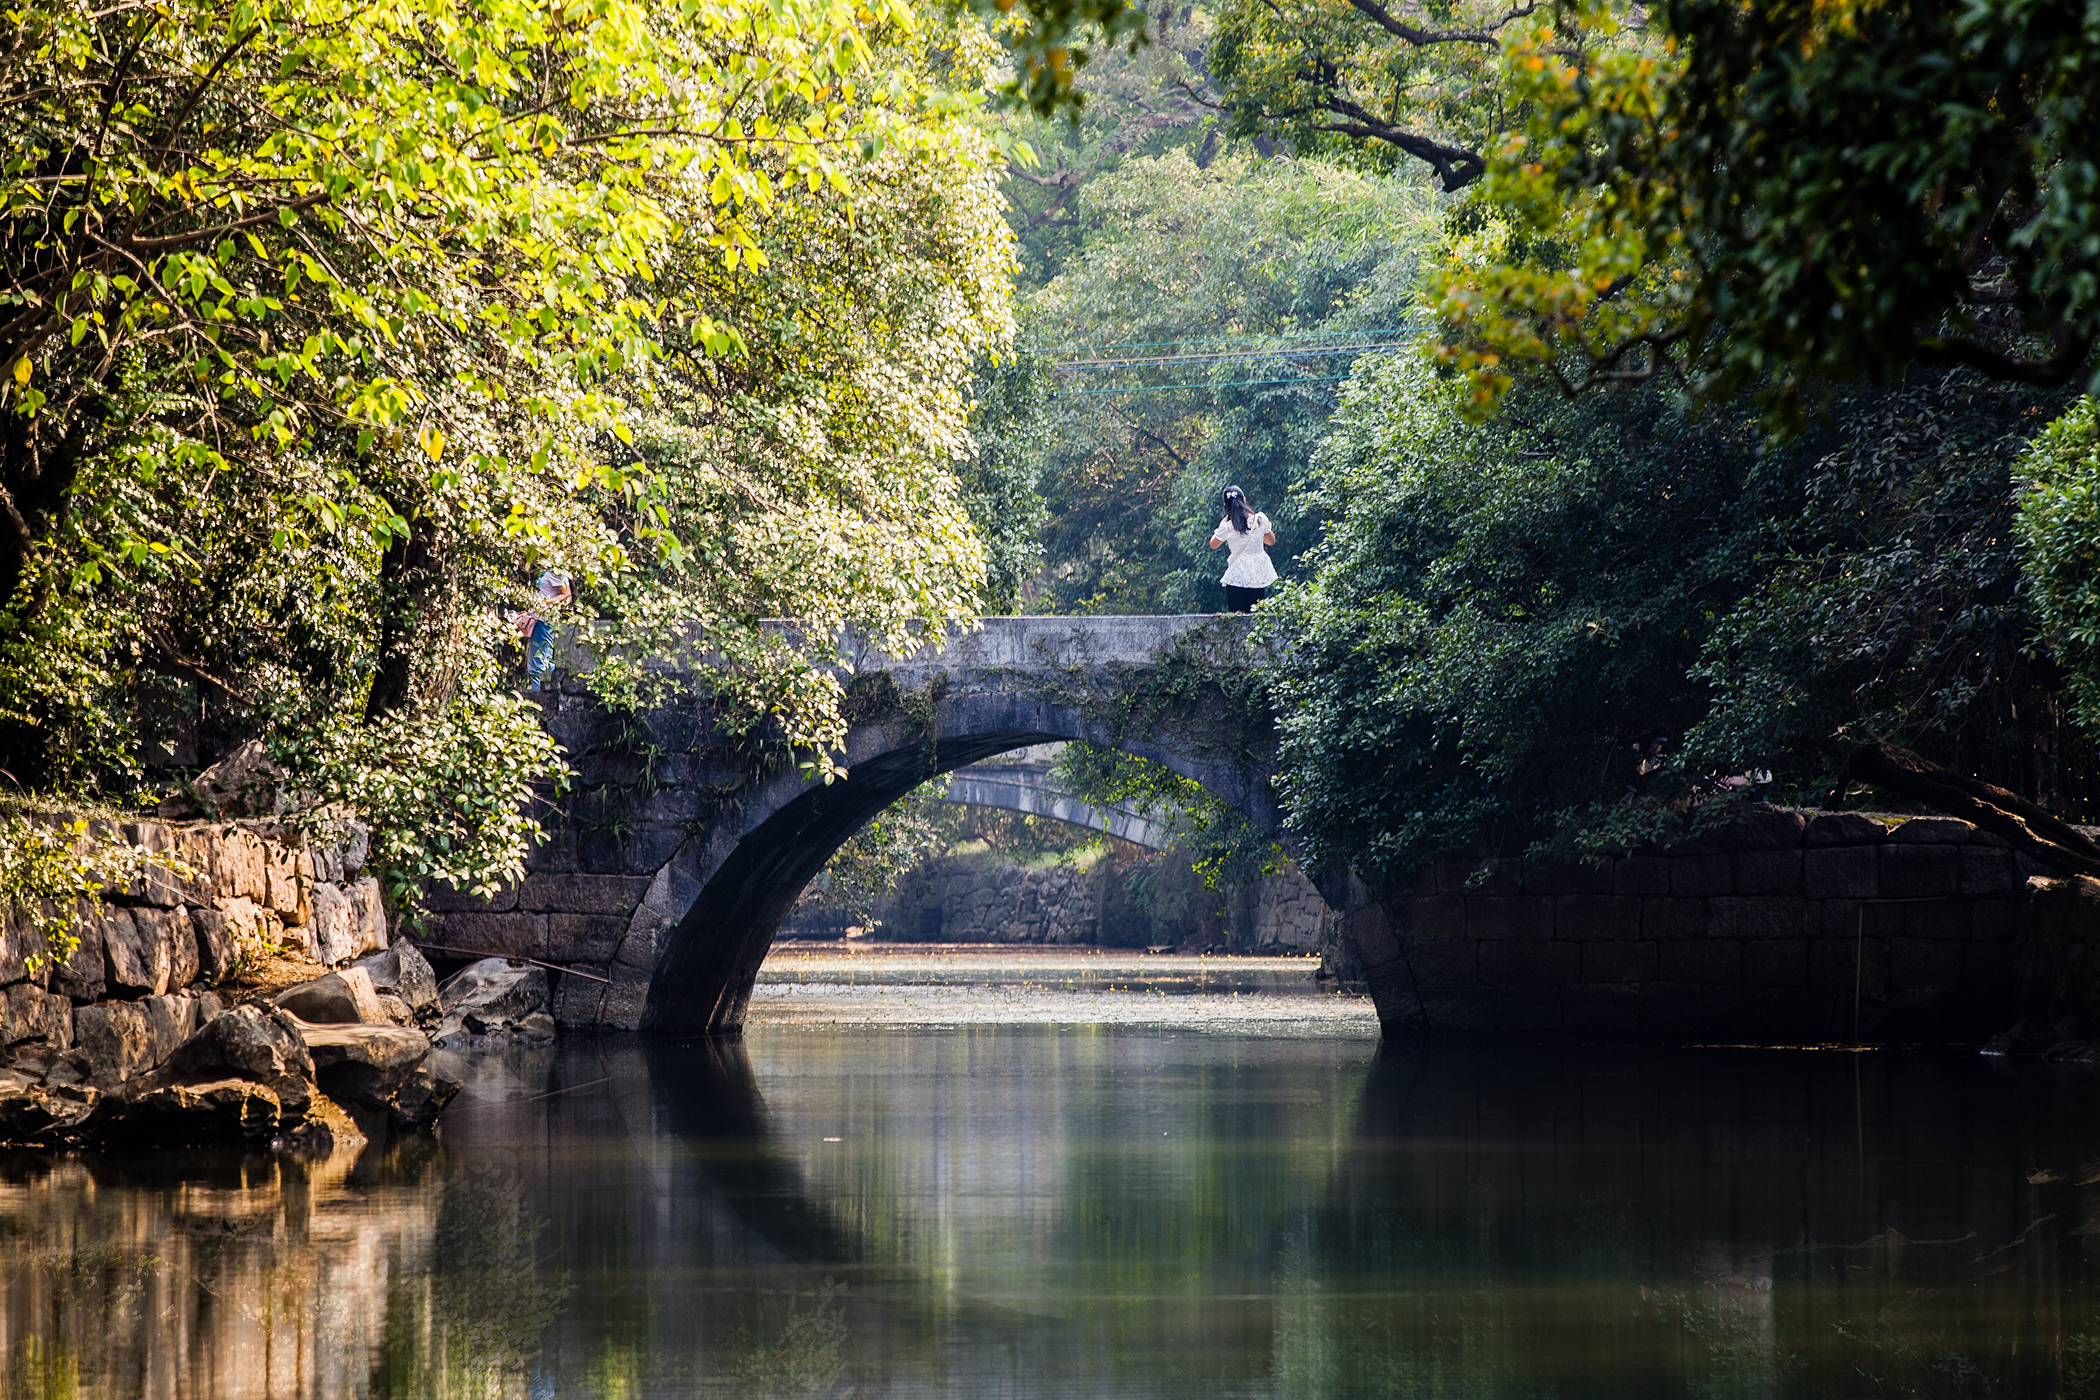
2022	824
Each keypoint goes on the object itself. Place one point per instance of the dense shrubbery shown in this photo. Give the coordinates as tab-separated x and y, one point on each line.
1579	624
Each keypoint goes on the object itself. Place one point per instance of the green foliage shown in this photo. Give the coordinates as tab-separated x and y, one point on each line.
327	329
998	484
827	474
1367	82
1140	102
1221	845
2059	525
1873	184
1266	260
1052	40
449	792
898	838
1782	196
1576	626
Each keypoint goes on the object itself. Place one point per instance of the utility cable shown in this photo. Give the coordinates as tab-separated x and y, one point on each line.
1204	384
1225	357
1222	340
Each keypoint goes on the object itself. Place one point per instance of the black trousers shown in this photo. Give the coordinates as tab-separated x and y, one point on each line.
1243	599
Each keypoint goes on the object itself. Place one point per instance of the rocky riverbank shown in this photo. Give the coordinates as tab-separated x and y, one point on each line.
248	992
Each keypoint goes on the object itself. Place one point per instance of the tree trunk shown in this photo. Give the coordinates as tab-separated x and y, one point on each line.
37	479
412	582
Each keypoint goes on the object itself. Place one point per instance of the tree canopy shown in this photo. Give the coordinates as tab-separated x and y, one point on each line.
1585	626
327	327
1781	197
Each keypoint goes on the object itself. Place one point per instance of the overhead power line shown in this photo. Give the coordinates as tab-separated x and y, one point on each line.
1221	340
1205	384
1231	356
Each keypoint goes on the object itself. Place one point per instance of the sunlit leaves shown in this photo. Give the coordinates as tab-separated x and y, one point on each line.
1784	197
1572	262
304	286
2060	533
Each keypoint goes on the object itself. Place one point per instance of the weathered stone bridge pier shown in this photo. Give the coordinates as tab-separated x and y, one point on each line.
679	850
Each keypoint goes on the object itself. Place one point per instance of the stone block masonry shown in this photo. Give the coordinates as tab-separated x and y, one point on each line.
139	982
1792	927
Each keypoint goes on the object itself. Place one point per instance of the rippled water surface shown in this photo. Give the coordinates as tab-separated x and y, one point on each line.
1013	1177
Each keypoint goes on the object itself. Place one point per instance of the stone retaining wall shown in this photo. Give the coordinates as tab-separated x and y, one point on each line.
138	983
972	899
1789	926
2059	965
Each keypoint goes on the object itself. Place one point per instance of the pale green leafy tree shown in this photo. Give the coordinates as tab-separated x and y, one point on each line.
1267	261
2059	527
326	327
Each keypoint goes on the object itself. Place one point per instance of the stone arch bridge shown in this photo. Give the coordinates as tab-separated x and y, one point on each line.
677	853
1022	782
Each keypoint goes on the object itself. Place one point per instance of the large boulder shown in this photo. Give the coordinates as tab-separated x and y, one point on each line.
494	998
354	843
345	998
32	1111
245	783
406	984
368	1065
259	1044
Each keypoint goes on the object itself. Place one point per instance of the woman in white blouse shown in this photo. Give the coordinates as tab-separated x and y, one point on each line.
1250	573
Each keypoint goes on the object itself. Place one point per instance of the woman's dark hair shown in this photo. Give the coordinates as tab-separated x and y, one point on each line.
1236	508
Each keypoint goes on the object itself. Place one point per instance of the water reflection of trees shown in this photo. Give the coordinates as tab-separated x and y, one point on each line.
225	1276
1527	1222
209	1274
473	1323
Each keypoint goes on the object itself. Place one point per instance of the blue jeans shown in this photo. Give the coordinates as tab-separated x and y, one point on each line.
539	653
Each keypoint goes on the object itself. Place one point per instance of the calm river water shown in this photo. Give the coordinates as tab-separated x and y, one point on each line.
1004	1176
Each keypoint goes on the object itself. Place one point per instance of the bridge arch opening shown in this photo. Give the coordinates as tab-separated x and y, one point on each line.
722	901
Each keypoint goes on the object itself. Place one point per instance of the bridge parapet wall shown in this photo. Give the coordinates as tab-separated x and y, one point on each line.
1792	926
